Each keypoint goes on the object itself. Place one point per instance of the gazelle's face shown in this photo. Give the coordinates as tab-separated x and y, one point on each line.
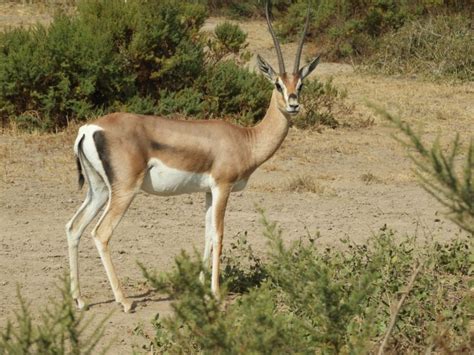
288	85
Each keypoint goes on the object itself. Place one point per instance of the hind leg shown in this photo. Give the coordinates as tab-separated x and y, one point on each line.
208	234
95	199
118	204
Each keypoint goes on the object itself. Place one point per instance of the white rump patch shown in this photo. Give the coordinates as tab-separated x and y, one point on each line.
89	149
162	180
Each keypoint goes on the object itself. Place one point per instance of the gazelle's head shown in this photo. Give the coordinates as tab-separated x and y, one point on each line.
288	85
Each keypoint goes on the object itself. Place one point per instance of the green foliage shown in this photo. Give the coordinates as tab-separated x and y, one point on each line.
224	89
243	270
229	39
58	330
231	90
140	56
440	47
440	175
305	299
323	103
188	102
62	71
111	51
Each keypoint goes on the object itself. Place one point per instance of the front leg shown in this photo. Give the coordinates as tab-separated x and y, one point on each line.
220	196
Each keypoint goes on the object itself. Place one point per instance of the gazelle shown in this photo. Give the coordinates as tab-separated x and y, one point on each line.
122	153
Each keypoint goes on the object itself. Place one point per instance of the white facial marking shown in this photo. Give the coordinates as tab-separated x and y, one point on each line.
161	179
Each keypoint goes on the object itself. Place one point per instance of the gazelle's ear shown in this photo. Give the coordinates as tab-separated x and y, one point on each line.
266	69
308	68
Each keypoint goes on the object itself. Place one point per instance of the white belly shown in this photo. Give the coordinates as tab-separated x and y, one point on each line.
163	180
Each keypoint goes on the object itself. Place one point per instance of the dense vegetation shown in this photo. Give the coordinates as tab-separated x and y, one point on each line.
304	299
135	56
146	57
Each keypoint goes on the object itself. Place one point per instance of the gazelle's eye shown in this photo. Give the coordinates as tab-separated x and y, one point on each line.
300	87
279	88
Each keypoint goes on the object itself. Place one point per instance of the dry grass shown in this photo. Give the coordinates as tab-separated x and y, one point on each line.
370	178
305	183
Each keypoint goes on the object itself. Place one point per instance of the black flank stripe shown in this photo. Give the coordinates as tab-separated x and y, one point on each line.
104	154
156	145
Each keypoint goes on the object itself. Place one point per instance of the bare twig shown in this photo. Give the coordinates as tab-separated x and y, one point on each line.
393	320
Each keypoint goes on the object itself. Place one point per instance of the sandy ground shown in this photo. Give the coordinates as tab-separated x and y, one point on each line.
364	181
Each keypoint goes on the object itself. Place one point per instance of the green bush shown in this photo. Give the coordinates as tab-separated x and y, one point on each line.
62	72
323	103
236	92
58	330
111	51
140	56
229	39
305	299
188	102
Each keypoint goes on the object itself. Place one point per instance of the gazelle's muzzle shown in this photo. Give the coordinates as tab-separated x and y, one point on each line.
292	107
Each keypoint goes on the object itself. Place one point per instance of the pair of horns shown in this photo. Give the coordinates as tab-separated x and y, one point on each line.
281	63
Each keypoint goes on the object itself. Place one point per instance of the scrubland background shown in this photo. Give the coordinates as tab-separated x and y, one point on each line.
340	184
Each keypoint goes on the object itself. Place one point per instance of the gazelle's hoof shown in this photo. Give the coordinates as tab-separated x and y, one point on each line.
127	305
80	304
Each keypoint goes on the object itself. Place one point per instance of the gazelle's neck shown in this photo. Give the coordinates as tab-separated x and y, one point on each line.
269	133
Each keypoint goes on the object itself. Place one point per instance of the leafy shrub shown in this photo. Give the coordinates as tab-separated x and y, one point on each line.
231	90
314	299
323	103
145	105
111	51
188	102
59	330
229	39
243	270
60	72
141	56
436	47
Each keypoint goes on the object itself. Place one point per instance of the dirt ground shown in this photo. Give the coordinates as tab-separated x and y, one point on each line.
363	181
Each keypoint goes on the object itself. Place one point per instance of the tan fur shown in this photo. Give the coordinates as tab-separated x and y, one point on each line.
227	152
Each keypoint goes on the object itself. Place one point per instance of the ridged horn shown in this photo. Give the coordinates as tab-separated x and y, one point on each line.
300	47
281	63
